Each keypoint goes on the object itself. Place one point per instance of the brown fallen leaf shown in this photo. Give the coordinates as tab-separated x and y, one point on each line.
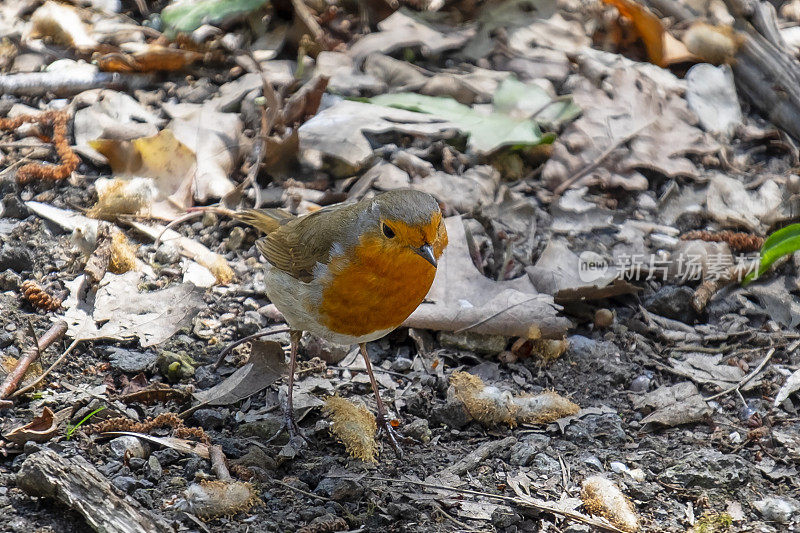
153	58
266	364
41	429
462	299
662	48
155	393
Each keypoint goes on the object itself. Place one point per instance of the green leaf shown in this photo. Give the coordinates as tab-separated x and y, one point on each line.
782	242
516	98
188	15
487	132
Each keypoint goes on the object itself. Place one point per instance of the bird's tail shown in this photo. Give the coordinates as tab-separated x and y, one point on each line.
264	220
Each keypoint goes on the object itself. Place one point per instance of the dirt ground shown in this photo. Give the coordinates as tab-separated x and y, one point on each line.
677	401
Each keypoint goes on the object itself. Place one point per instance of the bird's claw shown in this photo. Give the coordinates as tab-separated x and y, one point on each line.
394	437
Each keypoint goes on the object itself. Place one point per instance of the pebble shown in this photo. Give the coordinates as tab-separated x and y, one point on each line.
673	302
6	339
133	446
451	414
10	280
167	254
17	259
125	484
339	489
523	452
418	430
402	364
640	383
210	418
210	219
709	469
153	469
130	361
235	239
167	456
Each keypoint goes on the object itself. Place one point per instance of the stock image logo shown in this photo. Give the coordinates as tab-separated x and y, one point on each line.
591	266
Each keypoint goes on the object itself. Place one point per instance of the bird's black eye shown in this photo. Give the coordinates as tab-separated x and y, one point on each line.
388	232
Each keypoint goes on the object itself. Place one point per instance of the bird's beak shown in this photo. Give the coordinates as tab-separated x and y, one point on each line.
426	252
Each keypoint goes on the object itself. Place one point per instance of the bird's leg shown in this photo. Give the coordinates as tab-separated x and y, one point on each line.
383	421
291	424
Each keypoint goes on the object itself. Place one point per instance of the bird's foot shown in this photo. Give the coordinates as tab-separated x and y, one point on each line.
385	426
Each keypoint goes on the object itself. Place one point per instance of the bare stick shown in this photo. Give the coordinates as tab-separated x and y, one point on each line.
219	463
68	83
540	505
47	372
745	380
12	380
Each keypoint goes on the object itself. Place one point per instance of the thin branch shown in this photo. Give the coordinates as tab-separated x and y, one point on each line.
47	372
530	502
745	380
12	380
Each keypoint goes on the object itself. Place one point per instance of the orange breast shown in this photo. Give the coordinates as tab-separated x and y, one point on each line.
372	290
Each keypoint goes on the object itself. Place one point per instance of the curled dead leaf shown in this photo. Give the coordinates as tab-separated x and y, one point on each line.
41	429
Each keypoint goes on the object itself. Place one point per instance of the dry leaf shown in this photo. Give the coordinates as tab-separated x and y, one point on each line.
732	205
642	124
461	298
662	48
154	393
702	368
673	406
151	59
41	429
402	30
162	159
266	365
117	310
647	25
214	138
175	443
338	132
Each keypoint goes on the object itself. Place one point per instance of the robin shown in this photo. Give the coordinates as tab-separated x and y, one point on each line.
350	273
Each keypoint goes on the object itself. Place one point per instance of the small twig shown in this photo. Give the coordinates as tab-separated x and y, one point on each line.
180	220
219	463
597	162
249	338
47	372
453	519
557	100
541	506
12	380
745	380
301	491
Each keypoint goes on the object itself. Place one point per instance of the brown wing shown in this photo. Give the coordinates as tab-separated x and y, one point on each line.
295	245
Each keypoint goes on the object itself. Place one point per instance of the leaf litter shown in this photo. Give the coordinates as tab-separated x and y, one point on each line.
575	140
